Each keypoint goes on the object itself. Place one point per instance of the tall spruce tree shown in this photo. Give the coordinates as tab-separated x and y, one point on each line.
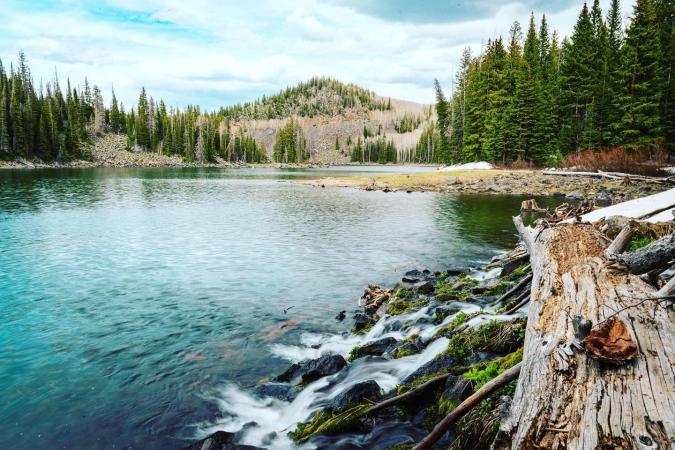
641	122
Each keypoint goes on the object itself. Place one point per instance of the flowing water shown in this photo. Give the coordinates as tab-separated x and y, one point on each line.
139	305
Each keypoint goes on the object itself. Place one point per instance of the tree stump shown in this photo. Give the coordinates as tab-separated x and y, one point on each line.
567	399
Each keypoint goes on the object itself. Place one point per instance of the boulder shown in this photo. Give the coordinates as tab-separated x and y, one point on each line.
457	389
361	321
415	276
312	369
575	195
424	287
220	440
341	316
280	391
439	364
367	390
414	346
377	348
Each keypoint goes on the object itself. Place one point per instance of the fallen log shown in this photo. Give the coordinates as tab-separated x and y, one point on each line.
650	257
579	402
523	281
466	406
406	395
522	300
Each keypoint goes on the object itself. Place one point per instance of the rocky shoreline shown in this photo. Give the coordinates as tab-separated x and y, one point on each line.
502	182
447	324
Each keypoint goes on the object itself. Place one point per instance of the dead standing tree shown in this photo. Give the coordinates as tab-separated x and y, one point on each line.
567	398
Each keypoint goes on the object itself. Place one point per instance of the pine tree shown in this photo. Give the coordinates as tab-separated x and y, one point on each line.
665	16
616	87
577	84
443	121
529	144
642	121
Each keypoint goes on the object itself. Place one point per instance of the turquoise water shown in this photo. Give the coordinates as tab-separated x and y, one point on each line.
128	296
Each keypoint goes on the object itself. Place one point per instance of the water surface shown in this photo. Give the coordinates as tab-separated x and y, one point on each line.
130	296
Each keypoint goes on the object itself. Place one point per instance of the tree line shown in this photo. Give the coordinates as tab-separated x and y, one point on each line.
539	99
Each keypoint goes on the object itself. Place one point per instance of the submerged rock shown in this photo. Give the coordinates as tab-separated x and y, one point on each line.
367	390
312	369
438	364
341	316
415	276
280	391
220	440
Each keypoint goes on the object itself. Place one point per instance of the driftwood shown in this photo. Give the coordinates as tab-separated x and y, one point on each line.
523	281
611	176
668	289
650	257
406	395
522	300
531	206
466	406
576	401
620	242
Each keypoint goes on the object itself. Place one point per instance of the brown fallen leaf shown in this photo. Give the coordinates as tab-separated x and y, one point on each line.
611	342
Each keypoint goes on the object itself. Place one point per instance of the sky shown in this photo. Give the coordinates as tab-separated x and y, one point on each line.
214	53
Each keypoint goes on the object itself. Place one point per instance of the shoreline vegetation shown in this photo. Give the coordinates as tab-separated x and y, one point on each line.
501	328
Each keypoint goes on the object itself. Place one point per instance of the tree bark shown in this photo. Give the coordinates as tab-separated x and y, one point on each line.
566	399
650	257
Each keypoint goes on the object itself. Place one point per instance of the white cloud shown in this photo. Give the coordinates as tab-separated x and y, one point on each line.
214	53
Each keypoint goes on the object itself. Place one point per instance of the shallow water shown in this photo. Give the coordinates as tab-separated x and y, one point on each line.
131	298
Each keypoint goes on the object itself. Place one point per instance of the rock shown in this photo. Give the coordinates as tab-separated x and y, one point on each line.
484	285
454	272
220	440
415	276
424	287
377	348
312	369
457	389
280	391
414	346
367	390
341	316
361	321
436	365
575	195
373	296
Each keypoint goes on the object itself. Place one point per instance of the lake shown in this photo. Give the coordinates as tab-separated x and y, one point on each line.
131	296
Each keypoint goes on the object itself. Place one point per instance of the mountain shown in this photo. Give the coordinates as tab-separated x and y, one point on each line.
333	117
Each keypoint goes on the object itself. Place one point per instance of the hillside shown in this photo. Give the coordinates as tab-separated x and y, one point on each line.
332	117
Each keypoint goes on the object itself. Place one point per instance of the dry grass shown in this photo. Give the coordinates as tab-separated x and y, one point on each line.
646	161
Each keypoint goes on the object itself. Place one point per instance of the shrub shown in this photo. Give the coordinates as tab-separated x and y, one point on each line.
644	161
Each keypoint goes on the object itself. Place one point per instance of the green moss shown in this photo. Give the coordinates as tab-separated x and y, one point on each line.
518	273
640	242
324	422
481	376
405	352
398	307
402	388
499	288
365	329
354	353
403	293
459	319
495	336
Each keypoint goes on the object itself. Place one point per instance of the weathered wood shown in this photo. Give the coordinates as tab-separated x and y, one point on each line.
620	242
406	395
668	289
531	206
637	208
577	402
523	281
464	407
522	300
649	257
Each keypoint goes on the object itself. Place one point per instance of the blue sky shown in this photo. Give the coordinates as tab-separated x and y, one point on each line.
214	53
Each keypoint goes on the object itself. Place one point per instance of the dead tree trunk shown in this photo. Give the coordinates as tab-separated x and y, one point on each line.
566	399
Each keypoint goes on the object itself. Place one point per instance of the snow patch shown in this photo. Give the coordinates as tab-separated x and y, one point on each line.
482	165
